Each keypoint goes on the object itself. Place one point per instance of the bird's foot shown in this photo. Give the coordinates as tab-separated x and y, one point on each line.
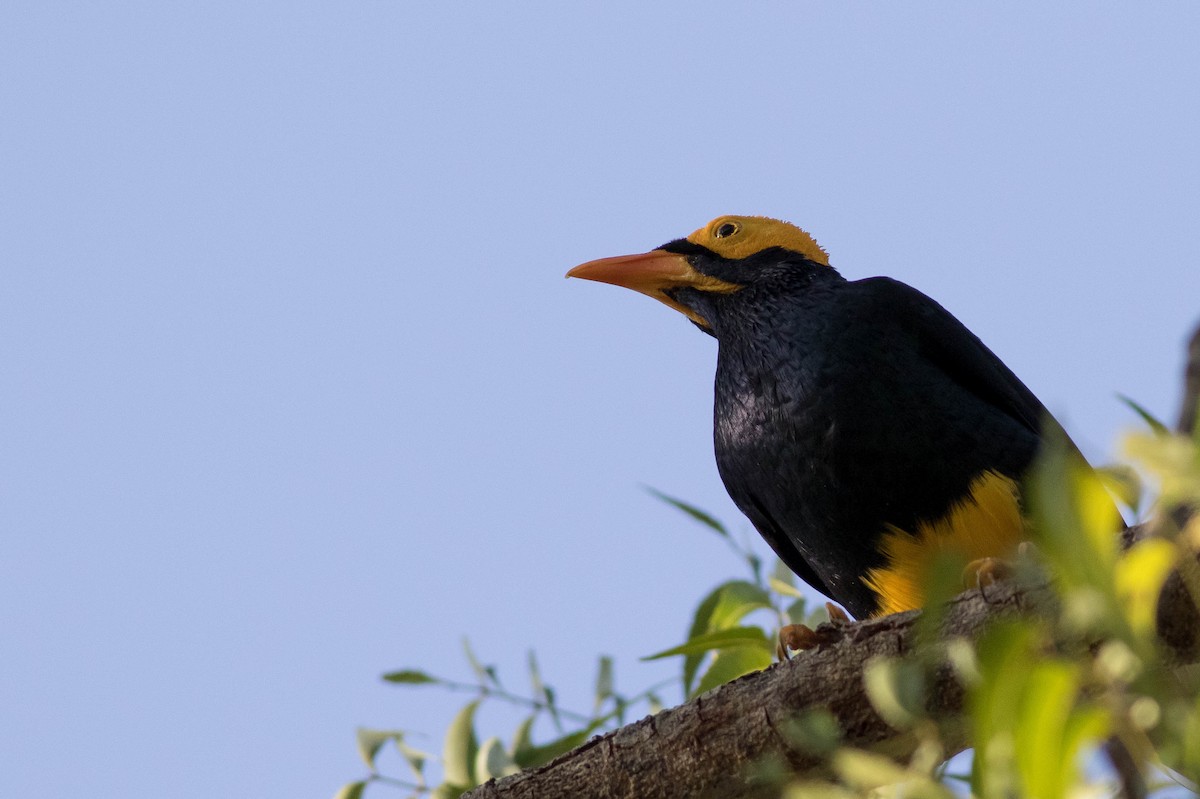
837	616
797	637
985	572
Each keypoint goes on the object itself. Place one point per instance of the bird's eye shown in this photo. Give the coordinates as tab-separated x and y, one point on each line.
726	229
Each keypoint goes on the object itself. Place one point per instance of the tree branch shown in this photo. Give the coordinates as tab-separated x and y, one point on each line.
706	747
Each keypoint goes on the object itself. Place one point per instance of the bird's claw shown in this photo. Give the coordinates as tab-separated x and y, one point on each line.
986	571
797	637
837	616
1027	549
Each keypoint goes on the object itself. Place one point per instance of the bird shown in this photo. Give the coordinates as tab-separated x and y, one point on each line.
861	427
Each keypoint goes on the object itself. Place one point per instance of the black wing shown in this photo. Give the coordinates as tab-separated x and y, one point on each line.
783	546
959	354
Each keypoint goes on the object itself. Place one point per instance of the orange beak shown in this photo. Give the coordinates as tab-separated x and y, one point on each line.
653	273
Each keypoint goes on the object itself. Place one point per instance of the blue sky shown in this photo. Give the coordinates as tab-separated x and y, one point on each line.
295	392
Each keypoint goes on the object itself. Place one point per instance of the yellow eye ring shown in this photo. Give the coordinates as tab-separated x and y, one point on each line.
726	229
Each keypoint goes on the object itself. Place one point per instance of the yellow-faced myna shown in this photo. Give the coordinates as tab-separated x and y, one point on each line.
859	425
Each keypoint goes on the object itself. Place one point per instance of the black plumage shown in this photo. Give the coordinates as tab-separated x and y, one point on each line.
852	419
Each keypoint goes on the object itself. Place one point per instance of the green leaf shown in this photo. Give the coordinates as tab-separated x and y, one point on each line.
784	589
1173	460
604	680
816	617
1086	727
1076	528
724	607
351	790
371	741
483	674
896	689
535	677
735	600
782	573
539	755
541	691
942	581
553	707
755	564
797	611
492	762
620	707
729	664
1045	709
1123	482
415	758
448	790
960	654
1150	419
868	770
1003	657
700	626
461	746
691	510
410	677
721	639
812	789
814	731
522	741
1139	578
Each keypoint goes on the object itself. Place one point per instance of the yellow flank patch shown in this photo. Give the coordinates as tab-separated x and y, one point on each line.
737	237
987	523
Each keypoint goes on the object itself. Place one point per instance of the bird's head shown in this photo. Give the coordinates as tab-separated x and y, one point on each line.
723	257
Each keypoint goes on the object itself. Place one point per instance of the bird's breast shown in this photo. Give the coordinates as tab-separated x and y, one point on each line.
775	433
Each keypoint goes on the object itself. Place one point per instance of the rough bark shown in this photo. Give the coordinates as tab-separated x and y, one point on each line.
705	747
